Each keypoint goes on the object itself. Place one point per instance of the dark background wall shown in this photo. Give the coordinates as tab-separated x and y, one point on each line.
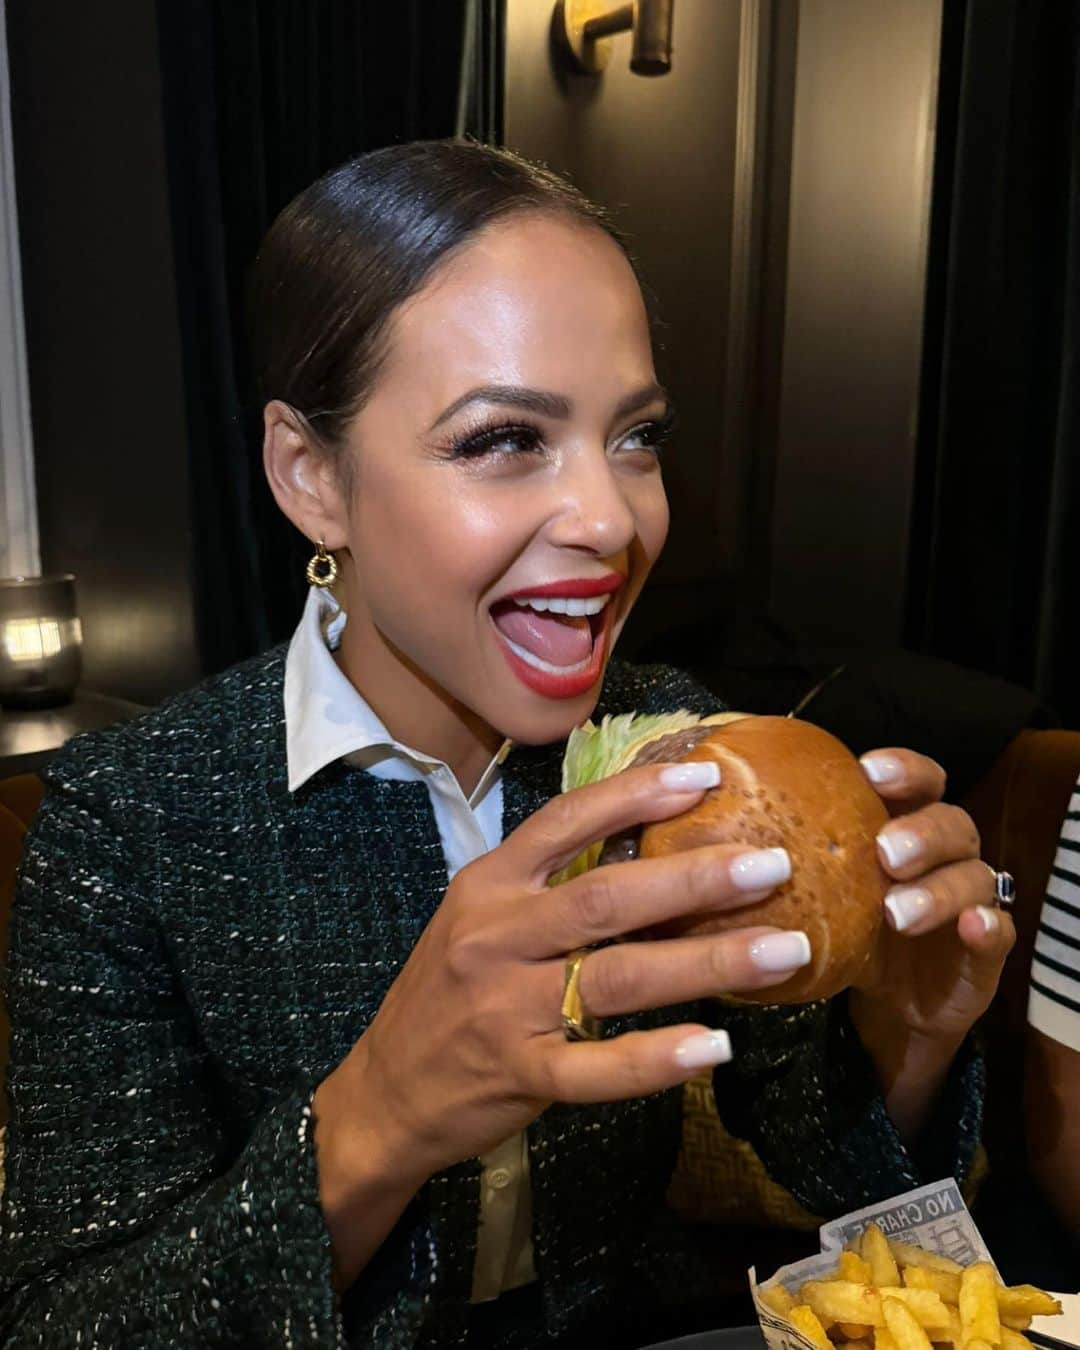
110	441
859	197
776	184
661	153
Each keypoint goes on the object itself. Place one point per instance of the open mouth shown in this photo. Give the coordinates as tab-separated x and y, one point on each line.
555	644
551	634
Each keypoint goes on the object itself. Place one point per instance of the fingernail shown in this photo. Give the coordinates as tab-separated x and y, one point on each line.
882	768
781	951
761	870
908	905
990	920
704	1048
900	847
691	777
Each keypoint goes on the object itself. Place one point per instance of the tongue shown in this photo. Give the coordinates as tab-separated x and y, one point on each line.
558	638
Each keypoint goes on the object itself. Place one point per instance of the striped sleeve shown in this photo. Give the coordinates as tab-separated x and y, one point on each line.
1054	1000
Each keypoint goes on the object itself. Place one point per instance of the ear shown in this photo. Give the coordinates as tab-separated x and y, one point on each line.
302	477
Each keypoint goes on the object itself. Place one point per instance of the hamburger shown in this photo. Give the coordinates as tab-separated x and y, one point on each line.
784	783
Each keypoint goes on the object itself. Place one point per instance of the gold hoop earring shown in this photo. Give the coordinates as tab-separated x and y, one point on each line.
322	570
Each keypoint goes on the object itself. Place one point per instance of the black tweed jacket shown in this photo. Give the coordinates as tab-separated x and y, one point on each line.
193	948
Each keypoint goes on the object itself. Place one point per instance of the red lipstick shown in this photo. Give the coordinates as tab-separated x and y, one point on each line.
574	588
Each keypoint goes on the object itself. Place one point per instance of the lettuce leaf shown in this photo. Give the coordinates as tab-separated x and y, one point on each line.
596	752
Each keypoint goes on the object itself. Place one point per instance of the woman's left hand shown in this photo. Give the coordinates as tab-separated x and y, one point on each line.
937	965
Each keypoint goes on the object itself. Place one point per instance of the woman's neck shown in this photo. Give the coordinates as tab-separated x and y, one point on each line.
414	710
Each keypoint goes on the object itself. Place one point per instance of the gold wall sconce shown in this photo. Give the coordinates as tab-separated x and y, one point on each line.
583	31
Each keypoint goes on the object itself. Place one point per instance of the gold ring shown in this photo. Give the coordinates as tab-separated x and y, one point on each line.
578	1024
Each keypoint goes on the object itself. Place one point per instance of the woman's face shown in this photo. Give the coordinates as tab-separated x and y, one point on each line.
509	450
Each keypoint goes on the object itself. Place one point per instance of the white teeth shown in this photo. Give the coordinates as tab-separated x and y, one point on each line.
557	605
541	664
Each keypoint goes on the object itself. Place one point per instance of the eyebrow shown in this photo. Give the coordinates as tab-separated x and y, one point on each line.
543	402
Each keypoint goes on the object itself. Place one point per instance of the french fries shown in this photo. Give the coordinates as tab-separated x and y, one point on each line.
902	1326
802	1319
906	1255
844	1301
853	1267
777	1299
886	1295
853	1331
1012	1340
955	1337
1024	1300
978	1304
945	1285
1016	1305
875	1251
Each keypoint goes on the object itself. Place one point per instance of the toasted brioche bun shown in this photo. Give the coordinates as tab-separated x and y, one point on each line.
788	784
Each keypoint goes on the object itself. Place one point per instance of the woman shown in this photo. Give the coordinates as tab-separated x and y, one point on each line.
287	1009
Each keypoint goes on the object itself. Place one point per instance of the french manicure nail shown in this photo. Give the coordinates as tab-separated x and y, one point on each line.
900	847
780	951
761	870
882	768
908	905
691	777
990	920
703	1049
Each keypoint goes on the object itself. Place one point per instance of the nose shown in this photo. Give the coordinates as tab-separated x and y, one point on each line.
593	511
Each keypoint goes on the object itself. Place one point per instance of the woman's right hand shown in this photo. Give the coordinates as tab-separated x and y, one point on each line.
468	1045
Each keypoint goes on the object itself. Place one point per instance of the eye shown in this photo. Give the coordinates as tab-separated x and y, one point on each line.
506	440
650	436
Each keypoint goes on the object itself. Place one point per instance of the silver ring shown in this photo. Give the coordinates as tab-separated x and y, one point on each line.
1004	889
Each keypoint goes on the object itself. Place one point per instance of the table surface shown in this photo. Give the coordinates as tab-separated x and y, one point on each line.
30	737
728	1338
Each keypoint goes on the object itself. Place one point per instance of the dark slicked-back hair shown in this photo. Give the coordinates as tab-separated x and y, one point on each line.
356	244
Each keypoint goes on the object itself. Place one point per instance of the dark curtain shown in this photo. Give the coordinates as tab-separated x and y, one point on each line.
260	98
995	563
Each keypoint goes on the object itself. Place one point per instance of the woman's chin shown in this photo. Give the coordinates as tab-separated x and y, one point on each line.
534	720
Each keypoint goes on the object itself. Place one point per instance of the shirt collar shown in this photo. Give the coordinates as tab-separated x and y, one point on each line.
326	716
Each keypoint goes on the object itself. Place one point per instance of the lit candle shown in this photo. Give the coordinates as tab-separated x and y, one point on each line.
40	641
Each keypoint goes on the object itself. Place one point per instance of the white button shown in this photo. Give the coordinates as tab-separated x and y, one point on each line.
499	1179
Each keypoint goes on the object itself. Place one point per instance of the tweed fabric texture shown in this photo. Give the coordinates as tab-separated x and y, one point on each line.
193	948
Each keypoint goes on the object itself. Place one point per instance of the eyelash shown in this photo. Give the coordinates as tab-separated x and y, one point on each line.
477	444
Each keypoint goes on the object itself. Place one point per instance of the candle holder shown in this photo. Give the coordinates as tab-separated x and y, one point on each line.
40	641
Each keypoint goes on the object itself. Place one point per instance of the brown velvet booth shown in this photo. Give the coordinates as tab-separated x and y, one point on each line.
1018	807
19	798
